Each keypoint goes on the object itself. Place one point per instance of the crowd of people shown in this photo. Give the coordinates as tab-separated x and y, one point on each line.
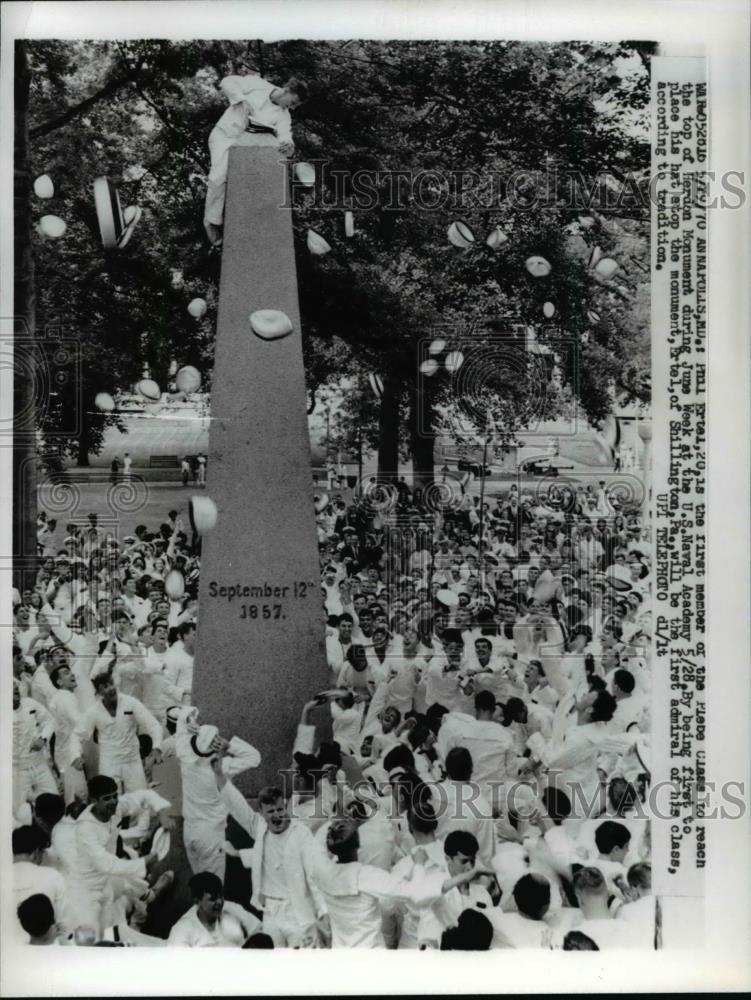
474	776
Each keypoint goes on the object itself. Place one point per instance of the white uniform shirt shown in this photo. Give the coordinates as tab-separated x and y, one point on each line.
67	716
159	693
352	893
30	879
489	743
230	931
179	670
96	842
31	721
249	97
118	734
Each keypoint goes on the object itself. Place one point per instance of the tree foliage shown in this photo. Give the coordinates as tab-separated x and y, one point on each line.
409	117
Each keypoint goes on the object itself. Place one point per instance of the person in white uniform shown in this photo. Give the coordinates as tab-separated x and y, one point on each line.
105	882
117	719
353	890
33	728
280	862
212	922
30	876
204	812
253	102
67	716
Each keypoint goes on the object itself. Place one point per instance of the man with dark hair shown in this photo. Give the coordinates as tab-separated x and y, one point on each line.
117	719
36	915
631	706
460	804
280	862
612	840
338	644
530	926
573	769
489	744
30	877
105	882
576	941
444	676
473	932
212	921
460	863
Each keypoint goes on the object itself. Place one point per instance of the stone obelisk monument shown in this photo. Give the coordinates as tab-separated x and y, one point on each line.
260	652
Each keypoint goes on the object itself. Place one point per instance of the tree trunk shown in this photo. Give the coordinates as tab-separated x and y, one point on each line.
388	430
84	440
422	437
25	380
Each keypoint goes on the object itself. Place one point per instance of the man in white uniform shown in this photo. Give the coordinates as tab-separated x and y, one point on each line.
280	862
352	890
253	102
67	715
104	882
32	730
212	922
117	719
204	812
30	876
489	743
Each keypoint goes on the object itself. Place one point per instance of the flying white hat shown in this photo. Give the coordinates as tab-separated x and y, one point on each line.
317	245
454	360
103	401
270	324
548	310
448	598
202	513
197	308
607	267
496	237
429	366
43	187
174	585
149	389
131	218
52	226
115	228
305	173
204	738
188	379
437	346
595	256
376	384
460	235
538	266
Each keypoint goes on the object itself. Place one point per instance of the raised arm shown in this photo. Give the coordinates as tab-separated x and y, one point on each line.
235	802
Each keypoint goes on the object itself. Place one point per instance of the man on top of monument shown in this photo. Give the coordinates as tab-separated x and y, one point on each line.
258	115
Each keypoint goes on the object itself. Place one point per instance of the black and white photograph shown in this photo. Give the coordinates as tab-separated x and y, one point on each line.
357	597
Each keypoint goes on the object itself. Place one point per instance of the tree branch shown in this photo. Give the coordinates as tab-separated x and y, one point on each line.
78	109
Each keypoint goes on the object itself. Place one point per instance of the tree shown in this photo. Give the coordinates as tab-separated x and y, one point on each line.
140	112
